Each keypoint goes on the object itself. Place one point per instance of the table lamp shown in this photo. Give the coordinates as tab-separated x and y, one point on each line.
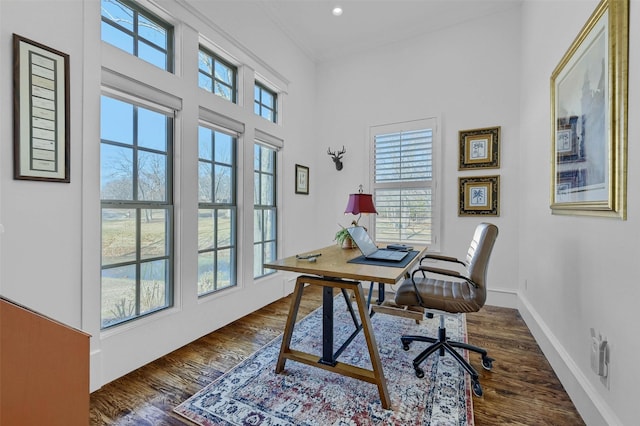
360	203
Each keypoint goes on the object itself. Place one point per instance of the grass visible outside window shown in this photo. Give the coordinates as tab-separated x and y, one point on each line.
217	211
137	211
264	210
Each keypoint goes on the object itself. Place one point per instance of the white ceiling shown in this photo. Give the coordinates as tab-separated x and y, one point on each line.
367	24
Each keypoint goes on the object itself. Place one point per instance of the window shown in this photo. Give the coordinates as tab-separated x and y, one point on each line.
403	182
216	75
137	210
264	102
264	209
136	31
216	211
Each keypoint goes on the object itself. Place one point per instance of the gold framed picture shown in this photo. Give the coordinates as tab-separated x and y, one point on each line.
479	196
589	117
479	148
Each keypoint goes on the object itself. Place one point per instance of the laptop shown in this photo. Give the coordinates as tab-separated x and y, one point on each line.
370	250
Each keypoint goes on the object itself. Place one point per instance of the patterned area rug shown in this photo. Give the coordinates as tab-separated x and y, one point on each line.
253	394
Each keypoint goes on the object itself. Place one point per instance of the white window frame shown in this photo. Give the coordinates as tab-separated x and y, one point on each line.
432	123
215	206
168	204
170	62
265	207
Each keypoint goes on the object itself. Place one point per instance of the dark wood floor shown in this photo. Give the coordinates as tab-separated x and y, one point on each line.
520	390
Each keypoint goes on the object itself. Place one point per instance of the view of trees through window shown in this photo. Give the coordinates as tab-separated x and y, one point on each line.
137	223
264	209
403	184
216	75
137	120
217	210
264	102
128	27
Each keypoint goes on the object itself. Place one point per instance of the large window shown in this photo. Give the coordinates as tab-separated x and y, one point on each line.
138	32
264	209
403	182
264	102
216	210
216	75
172	180
137	210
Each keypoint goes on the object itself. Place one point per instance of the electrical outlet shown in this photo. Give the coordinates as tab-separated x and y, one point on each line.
599	354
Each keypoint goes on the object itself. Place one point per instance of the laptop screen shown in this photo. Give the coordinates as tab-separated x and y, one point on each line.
362	240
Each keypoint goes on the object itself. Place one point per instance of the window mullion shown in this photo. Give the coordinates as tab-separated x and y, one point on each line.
138	260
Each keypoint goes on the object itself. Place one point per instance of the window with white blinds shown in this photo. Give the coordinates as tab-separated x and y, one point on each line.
403	183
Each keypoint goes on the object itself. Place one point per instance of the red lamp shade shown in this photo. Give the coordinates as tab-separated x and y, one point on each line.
360	203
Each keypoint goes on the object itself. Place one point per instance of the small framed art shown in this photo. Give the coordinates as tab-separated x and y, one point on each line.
302	179
479	196
40	112
479	148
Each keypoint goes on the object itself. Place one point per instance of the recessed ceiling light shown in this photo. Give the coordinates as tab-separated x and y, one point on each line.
337	11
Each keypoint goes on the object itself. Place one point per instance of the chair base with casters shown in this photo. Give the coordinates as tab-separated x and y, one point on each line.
455	294
443	345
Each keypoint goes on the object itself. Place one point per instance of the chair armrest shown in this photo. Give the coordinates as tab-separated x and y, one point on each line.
442	258
447	272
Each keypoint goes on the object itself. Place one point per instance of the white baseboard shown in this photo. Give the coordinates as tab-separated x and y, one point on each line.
95	374
505	298
589	403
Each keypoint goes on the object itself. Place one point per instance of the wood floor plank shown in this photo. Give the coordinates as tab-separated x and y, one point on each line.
521	389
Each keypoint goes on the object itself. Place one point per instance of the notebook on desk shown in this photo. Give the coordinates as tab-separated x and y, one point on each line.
368	248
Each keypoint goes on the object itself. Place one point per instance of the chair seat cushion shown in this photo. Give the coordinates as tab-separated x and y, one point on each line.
448	296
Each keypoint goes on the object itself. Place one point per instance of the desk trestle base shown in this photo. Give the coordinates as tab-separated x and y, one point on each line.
329	359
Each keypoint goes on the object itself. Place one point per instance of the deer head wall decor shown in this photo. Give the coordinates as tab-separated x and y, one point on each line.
337	157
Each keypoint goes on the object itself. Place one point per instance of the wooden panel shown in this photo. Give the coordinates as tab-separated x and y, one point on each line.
44	370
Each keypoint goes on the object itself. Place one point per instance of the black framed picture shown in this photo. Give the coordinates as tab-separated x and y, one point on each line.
40	112
302	179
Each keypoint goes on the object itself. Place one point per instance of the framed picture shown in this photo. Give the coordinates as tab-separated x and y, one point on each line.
40	112
302	179
479	196
589	117
479	148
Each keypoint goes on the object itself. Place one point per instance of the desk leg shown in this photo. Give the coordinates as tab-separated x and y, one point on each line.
375	376
291	322
381	291
327	327
376	363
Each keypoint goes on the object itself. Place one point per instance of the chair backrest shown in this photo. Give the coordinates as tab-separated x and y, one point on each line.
479	253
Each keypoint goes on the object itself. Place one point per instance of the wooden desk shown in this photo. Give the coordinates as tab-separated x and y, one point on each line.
332	270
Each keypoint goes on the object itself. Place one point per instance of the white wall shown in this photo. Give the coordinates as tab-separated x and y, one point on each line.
467	82
51	247
491	71
579	271
41	245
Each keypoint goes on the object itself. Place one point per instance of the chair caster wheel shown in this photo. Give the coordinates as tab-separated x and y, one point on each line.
405	344
487	363
419	373
477	389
